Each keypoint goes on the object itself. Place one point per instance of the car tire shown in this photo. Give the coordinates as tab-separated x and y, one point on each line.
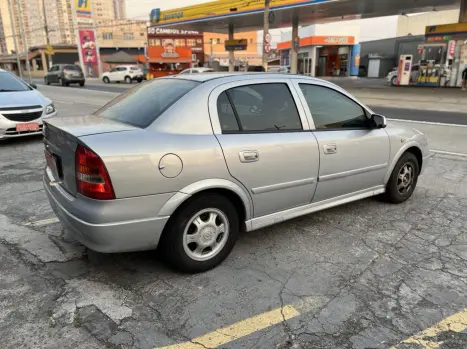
128	80
46	81
140	81
403	180
211	211
394	81
81	84
106	80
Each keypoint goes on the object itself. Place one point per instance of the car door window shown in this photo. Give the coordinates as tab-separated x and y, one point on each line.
226	114
332	110
260	108
121	69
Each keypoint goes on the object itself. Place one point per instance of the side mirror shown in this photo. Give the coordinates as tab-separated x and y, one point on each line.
34	86
379	121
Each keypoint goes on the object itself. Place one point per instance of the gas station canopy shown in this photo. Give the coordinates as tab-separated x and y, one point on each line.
244	15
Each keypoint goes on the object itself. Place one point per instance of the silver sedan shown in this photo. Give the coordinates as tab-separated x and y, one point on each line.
185	163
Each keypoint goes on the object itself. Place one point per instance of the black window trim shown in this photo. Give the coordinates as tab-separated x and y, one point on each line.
365	111
241	131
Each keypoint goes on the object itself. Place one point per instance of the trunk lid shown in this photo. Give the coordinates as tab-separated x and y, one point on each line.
61	138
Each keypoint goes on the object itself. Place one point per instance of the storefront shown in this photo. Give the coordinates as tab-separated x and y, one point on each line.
444	55
324	55
172	50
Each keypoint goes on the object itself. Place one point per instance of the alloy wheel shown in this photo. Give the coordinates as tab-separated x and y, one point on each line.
206	234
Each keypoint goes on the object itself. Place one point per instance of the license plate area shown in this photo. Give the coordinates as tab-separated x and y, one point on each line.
54	163
28	127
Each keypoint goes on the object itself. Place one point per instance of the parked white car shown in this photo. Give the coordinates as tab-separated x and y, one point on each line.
123	73
197	71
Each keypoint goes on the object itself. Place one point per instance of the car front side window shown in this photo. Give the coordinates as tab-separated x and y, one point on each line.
332	110
267	107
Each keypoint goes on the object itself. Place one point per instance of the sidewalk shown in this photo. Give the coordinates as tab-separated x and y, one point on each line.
440	99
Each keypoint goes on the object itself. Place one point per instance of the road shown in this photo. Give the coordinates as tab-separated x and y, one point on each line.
393	112
364	275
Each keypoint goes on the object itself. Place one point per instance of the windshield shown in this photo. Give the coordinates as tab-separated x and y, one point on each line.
73	67
144	103
10	83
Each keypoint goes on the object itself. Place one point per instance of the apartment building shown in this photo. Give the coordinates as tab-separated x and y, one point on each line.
121	33
108	9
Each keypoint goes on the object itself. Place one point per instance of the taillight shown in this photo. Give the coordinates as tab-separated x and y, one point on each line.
92	178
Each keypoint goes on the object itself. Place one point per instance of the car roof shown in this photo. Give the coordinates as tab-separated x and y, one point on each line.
204	77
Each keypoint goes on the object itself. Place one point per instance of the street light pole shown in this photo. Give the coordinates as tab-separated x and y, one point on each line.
15	40
265	32
23	39
47	38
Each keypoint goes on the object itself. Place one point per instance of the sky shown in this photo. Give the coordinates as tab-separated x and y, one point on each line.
371	29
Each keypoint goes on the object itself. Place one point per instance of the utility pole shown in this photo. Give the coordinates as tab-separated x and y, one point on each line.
23	39
47	38
267	4
15	40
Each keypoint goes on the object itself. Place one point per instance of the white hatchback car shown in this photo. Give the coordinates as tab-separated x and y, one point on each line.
22	108
197	71
124	73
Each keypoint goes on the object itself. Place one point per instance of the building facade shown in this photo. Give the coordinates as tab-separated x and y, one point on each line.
325	49
3	48
172	50
108	9
214	48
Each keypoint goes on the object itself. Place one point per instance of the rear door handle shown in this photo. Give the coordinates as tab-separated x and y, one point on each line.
330	149
249	156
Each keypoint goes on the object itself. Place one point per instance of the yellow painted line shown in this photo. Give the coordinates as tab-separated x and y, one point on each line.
454	323
42	222
238	330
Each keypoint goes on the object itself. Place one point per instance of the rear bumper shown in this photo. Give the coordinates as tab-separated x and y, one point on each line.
72	80
94	223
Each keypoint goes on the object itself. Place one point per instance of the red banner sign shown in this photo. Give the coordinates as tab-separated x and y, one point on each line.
87	45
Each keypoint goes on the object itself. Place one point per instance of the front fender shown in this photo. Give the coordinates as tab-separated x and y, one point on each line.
409	144
214	183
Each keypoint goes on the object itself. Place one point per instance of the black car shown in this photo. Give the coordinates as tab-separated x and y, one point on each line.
65	74
256	68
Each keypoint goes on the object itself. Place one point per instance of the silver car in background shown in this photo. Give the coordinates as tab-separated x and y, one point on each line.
185	163
22	108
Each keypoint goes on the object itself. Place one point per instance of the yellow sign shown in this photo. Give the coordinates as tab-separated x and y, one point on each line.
219	8
49	50
83	8
446	29
236	45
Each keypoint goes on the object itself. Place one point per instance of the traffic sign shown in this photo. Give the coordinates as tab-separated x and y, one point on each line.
268	37
267	48
49	50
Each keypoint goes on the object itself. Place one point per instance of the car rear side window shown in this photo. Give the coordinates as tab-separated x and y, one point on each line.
73	67
144	103
332	110
261	108
226	114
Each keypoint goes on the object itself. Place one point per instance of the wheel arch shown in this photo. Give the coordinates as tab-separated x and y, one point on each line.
231	190
410	147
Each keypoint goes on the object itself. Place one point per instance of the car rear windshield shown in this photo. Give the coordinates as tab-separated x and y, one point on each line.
72	67
10	83
144	103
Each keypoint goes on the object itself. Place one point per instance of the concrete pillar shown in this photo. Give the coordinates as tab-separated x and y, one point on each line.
295	47
314	61
463	12
45	67
231	53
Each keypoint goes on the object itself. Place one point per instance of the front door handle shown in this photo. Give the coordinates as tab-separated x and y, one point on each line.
249	156
330	149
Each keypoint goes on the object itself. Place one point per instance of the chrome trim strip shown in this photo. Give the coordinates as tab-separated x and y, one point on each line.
351	172
280	186
23	111
274	218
